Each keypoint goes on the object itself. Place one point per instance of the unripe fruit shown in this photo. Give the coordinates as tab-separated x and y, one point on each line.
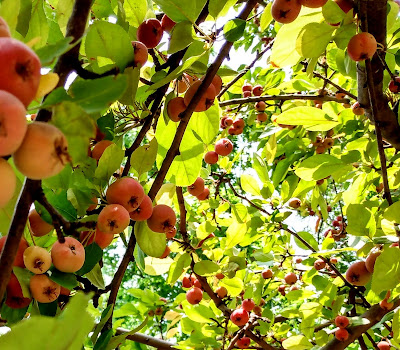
267	273
187	281
206	101
285	11
240	317
175	107
68	256
211	157
37	259
262	117
394	85
103	240
19	257
162	218
167	23
150	33
248	304
194	295
357	274
8	182
291	278
19	70
38	226
4	29
43	152
127	192
243	343
361	46
166	253
43	289
13	123
222	292
15	298
294	203
114	218
313	3
319	264
99	149
144	211
342	321
341	334
383	345
258	90
204	195
357	109
223	147
141	53
371	259
260	106
197	187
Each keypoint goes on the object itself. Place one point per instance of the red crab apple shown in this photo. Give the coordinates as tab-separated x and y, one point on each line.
371	259
162	218
248	304
211	157
291	278
342	321
166	253
187	281
141	53
319	264
197	187
222	292
114	218
8	182
127	192
267	273
99	148
383	345
19	257
68	256
4	29
15	298
223	147
357	109
206	101
345	5
285	11
38	226
103	240
150	33
175	107
294	203
357	274
194	295
240	317
144	211
247	87
313	3
243	343
342	334
204	195
394	85
258	90
43	289
361	46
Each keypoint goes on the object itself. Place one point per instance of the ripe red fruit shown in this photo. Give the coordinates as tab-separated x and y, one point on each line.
19	257
8	182
235	131
196	283
258	90
204	195
114	218
37	259
217	82
68	256
345	5
171	232
103	240
167	23
162	218
294	203
15	298
291	278
394	85
319	264
4	29
38	226
211	157
361	46
313	3
357	109
144	211
43	289
267	273
248	304
206	100
226	121
342	321
243	343
197	187
285	11
341	334
166	253
247	87
223	147
240	317
262	117
357	274
299	260
220	276
150	33
194	295
175	107
140	53
383	345
99	149
127	192
238	124
222	292
333	260
246	94
187	281
13	123
260	106
19	70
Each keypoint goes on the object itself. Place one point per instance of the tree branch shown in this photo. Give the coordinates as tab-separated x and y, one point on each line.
147	339
338	87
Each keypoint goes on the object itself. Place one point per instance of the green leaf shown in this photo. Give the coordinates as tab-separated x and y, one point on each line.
234	29
67	280
198	313
218	7
332	12
93	254
235	234
118	339
176	269
206	124
387	271
266	17
12	315
105	315
318	167
109	162
50	52
157	267
144	157
133	76
297	342
360	220
205	267
9	11
311	118
270	149
182	35
96	277
180	11
233	285
59	201
249	184
38	25
135	11
152	243
309	238
313	39
260	167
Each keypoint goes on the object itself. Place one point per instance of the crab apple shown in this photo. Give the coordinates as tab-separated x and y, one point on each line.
342	321
43	152
159	311
220	276
328	143
262	117
196	187
222	292
339	95
196	283
345	5
238	124
187	281
64	291
68	256
37	259
257	90
260	106
211	157
8	182
299	260
162	218
285	11
20	70
292	288
313	3
206	101
319	264
13	124
243	343
333	260
171	232
357	274
226	121
166	253
167	23
114	218
383	345
281	289
223	147
38	226
357	109
240	317
320	149
150	33
143	211
246	94
4	29
258	310
394	85
248	304
194	295
43	289
19	257
361	46
204	195
140	53
371	259
342	334
15	298
127	192
235	131
291	278
267	273
247	87
103	240
99	148
217	82
294	203
175	107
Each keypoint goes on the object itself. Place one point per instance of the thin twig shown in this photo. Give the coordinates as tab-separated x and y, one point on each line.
338	87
